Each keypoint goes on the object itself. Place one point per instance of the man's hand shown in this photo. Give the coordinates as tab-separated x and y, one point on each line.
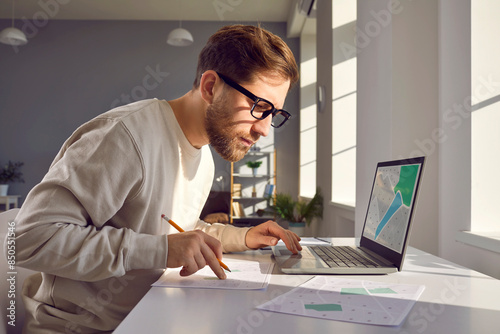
194	250
269	233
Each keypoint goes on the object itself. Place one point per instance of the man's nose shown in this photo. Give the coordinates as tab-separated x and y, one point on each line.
262	126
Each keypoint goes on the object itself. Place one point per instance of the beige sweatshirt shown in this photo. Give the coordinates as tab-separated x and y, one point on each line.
93	226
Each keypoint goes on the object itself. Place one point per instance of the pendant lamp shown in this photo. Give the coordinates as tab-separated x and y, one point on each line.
180	37
12	35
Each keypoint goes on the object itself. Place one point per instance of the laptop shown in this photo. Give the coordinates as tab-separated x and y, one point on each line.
385	234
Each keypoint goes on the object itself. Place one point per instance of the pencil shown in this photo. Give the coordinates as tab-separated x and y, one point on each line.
178	228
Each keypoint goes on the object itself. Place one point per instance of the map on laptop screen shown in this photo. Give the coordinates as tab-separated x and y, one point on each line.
391	204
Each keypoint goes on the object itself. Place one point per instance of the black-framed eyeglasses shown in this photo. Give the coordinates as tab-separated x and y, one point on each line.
261	107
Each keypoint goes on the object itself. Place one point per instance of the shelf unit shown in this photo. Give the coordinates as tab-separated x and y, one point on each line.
247	202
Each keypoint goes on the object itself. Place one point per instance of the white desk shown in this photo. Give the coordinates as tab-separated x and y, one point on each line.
455	300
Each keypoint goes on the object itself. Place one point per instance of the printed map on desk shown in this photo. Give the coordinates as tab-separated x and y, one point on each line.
244	275
350	300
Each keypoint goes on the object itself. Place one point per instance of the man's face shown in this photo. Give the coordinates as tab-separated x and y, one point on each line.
231	129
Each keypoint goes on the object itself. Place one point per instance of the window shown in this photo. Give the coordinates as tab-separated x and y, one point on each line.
344	103
307	186
485	96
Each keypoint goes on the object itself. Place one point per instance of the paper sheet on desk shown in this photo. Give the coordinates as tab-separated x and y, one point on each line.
244	275
351	300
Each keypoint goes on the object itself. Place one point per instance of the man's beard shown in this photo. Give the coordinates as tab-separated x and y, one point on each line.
221	132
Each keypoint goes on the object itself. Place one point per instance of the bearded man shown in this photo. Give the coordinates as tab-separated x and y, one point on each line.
92	227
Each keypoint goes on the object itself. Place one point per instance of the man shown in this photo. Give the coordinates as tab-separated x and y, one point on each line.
93	226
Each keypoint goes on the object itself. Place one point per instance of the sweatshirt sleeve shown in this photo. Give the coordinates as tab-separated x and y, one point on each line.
231	237
65	226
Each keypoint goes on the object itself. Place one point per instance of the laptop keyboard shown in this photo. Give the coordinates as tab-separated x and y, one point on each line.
342	256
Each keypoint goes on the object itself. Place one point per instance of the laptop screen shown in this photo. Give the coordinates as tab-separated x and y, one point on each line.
391	204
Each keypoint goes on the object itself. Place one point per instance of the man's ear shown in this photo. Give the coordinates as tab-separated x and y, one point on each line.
208	84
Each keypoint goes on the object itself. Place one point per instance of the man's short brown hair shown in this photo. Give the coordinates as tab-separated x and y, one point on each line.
242	51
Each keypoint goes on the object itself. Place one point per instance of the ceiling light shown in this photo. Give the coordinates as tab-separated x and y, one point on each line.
13	36
180	37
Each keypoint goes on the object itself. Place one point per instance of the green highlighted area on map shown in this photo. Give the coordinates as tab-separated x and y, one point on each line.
324	307
406	183
403	194
382	290
353	291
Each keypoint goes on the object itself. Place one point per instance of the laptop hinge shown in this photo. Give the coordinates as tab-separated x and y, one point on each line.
372	254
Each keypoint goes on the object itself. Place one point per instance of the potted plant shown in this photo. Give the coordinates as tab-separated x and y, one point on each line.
298	213
254	165
10	173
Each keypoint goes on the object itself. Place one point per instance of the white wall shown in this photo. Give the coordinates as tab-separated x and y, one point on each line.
413	93
455	151
414	87
415	104
396	66
398	101
374	102
485	118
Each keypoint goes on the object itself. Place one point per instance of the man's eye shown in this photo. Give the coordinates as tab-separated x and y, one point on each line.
262	107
